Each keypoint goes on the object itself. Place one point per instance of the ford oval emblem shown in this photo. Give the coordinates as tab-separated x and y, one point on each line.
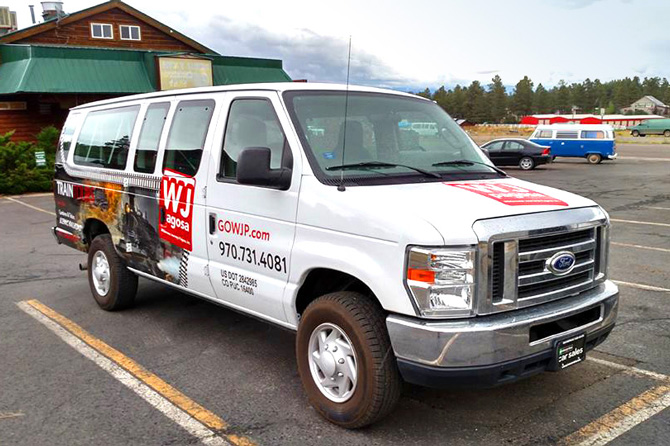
561	263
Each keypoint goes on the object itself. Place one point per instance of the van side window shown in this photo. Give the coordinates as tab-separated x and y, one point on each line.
186	139
545	134
150	135
567	134
593	134
69	127
251	123
105	138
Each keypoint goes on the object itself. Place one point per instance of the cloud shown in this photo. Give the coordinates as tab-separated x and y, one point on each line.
488	72
305	53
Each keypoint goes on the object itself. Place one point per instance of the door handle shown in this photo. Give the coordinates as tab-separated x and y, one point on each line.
212	223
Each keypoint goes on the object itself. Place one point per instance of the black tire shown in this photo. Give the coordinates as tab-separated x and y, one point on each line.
378	381
635	133
594	158
122	283
666	133
527	163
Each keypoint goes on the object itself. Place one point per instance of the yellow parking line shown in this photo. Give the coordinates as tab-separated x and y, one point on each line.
30	206
195	410
622	419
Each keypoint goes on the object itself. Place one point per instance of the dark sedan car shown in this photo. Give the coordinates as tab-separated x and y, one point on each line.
517	152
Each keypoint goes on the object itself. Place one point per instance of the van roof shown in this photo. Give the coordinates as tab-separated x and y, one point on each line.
575	127
274	86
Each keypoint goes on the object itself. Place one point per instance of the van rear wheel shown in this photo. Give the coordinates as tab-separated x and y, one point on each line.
594	158
345	360
666	133
112	285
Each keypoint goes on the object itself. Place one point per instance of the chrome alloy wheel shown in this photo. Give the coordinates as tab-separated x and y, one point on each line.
332	361
526	163
101	273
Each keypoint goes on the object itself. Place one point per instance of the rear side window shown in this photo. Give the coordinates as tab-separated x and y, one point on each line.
186	139
150	135
105	138
251	123
495	146
545	134
567	134
69	127
593	134
513	146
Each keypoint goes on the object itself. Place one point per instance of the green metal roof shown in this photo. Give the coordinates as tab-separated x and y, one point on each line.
53	69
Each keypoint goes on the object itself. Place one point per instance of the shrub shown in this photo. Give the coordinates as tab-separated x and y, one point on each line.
18	172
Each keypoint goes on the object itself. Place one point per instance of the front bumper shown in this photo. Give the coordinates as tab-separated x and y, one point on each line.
613	157
490	350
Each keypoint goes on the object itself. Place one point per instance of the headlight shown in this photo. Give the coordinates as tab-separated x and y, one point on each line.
442	280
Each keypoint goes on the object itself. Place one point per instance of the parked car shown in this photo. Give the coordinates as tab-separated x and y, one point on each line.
595	142
389	262
652	127
517	152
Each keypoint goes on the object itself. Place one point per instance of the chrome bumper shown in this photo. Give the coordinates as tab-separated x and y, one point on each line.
613	157
496	338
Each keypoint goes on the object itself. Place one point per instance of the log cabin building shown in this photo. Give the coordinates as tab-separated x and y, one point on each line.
105	51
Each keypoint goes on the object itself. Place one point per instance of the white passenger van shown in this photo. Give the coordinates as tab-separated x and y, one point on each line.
392	258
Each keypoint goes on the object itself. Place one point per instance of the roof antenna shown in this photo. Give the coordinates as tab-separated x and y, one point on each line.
346	108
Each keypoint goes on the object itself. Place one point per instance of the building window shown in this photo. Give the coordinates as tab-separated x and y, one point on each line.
128	32
102	31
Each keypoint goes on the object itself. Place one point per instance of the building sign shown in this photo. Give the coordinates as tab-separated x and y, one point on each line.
183	72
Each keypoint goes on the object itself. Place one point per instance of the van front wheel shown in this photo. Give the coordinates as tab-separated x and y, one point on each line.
635	133
345	360
594	158
112	285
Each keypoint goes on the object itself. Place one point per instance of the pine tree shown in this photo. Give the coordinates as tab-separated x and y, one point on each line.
562	93
523	97
542	100
498	99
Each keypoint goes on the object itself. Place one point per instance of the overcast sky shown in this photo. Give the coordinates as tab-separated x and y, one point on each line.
419	43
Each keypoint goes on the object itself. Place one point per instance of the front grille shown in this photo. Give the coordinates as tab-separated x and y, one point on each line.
535	283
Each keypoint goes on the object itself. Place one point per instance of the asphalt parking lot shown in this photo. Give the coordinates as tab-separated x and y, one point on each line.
241	373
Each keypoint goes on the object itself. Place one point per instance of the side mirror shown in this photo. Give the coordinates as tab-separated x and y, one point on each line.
486	152
253	168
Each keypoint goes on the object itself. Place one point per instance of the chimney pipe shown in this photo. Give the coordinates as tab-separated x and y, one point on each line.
32	12
52	10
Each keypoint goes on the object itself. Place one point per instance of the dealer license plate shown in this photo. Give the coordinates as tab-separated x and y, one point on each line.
570	351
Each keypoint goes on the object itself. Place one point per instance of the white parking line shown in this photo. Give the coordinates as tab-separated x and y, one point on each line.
630	369
30	206
640	158
658	208
651	248
162	404
635	222
642	286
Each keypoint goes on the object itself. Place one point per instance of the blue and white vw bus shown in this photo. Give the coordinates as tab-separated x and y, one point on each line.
595	142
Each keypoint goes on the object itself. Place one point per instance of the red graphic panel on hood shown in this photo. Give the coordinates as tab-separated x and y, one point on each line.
510	194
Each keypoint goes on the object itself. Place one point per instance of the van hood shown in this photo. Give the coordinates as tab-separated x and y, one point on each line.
437	213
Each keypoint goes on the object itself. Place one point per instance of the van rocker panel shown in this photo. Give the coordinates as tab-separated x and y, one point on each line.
494	339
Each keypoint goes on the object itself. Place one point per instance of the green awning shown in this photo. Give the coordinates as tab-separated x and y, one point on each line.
241	70
53	69
43	69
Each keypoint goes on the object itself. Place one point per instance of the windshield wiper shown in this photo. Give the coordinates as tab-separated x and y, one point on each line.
382	165
468	163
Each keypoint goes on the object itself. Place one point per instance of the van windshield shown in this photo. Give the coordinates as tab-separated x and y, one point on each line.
385	139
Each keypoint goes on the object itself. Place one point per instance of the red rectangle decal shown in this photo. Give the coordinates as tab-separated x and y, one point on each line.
510	194
176	208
